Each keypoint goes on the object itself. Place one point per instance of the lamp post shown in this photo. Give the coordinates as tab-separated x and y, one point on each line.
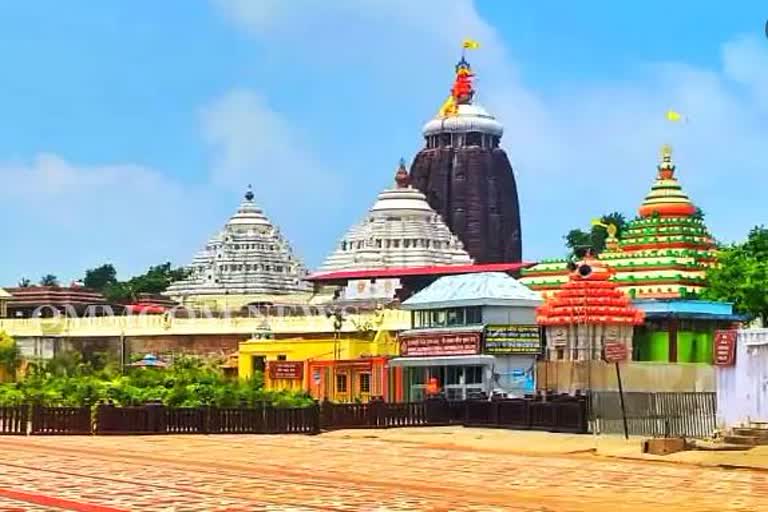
338	323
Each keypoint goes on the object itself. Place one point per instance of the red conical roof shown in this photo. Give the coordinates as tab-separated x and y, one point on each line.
589	297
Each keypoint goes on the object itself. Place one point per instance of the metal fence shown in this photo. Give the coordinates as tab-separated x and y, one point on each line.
654	414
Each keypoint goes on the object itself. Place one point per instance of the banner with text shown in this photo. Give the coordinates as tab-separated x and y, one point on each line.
442	344
512	339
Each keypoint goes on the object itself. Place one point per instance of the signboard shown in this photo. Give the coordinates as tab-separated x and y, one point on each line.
557	336
615	352
725	347
512	339
357	289
443	344
291	370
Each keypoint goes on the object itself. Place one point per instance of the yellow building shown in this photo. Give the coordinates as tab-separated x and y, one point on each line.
344	369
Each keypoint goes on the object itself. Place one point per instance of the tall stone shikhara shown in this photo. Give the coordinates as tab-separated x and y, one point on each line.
467	177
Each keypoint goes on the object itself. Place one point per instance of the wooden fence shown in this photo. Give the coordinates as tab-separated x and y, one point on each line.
14	420
655	414
60	420
558	414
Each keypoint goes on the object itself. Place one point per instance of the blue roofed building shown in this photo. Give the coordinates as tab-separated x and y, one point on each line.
472	334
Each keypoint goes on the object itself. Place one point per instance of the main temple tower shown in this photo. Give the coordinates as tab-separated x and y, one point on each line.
467	177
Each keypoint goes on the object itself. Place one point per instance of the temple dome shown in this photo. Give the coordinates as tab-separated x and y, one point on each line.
589	297
666	197
468	118
248	256
249	215
400	230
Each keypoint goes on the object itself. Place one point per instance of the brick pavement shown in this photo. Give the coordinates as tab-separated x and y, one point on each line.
359	473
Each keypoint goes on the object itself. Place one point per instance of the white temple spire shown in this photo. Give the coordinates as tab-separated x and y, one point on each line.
400	230
248	256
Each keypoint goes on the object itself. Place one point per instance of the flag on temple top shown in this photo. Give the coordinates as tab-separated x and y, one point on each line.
673	116
471	44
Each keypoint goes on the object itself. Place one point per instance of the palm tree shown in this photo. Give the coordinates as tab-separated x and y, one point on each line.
49	280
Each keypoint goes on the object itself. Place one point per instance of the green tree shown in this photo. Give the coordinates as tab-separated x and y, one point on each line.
24	283
579	241
155	280
741	275
49	280
100	277
9	355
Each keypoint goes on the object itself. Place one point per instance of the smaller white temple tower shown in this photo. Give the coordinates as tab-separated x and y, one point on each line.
400	230
248	257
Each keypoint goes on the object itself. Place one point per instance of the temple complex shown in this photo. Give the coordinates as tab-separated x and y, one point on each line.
248	258
467	177
664	253
400	230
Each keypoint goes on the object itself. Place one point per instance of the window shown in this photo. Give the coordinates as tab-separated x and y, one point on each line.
473	375
474	139
258	363
365	382
341	382
282	357
473	316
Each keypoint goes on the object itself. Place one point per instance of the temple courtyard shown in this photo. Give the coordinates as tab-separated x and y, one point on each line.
435	469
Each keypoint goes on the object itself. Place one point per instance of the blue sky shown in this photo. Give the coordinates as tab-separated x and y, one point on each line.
128	130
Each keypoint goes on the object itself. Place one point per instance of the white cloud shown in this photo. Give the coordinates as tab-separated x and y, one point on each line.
251	143
62	217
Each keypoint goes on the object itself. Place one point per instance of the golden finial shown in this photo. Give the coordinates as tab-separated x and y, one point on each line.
666	152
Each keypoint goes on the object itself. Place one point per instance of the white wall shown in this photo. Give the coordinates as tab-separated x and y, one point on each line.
503	315
742	389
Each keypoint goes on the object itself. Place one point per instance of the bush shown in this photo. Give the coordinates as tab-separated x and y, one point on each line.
188	382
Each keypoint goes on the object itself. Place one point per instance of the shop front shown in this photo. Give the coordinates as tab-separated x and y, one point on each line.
450	358
347	369
348	380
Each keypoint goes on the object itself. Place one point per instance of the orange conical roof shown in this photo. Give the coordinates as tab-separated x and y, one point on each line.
589	297
666	197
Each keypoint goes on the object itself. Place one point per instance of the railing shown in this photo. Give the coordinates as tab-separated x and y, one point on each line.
60	420
655	414
559	414
14	420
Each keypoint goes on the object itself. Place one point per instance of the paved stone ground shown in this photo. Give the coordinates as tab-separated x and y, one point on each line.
364	472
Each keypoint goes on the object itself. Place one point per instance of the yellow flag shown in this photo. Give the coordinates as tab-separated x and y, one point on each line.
673	116
471	44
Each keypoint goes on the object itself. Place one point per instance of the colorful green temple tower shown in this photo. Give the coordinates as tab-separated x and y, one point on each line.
660	261
664	253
